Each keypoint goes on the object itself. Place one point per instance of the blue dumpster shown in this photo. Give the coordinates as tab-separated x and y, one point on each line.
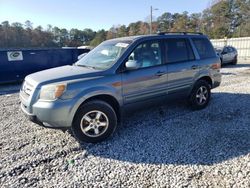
15	64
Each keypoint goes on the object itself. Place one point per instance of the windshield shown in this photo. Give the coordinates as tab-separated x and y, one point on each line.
104	56
218	50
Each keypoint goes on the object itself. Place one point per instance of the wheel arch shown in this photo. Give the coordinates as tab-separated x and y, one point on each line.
208	79
111	100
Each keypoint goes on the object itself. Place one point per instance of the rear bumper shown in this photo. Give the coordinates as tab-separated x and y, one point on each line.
216	84
216	80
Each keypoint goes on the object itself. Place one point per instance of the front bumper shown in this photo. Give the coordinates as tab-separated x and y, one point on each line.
31	117
56	114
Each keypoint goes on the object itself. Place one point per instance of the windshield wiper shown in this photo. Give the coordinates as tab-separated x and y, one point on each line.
86	66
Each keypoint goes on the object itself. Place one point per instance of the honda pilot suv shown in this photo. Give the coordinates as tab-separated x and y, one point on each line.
92	95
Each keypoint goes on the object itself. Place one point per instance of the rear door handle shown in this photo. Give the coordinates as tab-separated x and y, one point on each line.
194	67
160	73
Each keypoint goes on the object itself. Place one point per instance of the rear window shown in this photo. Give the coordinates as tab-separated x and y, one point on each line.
230	49
178	50
204	48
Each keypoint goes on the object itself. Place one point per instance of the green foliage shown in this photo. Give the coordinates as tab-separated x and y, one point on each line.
99	37
224	18
19	35
227	18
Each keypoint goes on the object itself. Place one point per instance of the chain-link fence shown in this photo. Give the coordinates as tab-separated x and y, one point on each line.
241	44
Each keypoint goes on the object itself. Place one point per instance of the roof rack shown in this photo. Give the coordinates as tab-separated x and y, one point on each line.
183	33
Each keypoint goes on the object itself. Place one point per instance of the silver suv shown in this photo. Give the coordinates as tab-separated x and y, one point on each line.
92	95
227	54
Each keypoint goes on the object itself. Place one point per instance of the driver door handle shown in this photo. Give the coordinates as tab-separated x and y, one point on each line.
160	73
194	67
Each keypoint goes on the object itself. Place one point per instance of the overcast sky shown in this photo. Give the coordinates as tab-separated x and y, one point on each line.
94	14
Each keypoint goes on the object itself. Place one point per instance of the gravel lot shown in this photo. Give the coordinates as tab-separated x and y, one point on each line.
170	146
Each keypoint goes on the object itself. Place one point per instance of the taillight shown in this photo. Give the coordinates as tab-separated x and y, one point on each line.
216	66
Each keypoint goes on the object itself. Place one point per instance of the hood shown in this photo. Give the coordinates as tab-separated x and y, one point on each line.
218	50
61	74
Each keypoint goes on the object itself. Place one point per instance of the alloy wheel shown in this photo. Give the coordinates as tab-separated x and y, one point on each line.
202	95
94	123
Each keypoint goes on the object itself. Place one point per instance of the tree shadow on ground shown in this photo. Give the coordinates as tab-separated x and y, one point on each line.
173	134
238	65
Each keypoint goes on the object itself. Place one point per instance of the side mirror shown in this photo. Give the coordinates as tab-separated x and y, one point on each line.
131	65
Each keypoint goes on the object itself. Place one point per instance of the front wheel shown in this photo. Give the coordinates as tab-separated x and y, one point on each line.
200	95
234	62
94	122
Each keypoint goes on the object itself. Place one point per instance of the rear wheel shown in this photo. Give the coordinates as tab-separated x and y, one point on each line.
94	122
200	95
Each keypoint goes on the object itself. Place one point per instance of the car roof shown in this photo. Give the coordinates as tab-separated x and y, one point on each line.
219	47
159	36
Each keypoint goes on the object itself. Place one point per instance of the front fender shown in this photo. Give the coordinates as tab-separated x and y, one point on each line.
92	92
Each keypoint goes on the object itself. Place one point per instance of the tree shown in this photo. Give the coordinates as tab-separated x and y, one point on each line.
88	35
227	18
144	28
28	24
99	37
165	21
194	23
122	31
18	40
134	28
112	33
224	18
242	18
180	22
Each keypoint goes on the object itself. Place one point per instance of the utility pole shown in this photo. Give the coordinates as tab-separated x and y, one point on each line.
151	18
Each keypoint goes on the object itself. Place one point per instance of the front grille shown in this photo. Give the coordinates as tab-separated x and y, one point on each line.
27	88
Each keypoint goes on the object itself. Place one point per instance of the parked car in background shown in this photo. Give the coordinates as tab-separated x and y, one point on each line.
119	75
227	54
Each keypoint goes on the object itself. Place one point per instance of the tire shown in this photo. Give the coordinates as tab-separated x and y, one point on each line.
94	122
201	89
221	61
234	62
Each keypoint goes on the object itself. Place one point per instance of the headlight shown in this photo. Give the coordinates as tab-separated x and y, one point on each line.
52	92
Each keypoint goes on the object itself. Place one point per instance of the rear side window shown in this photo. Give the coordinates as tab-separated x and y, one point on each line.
178	50
204	48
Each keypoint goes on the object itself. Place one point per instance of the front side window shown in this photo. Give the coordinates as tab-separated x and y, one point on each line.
147	54
105	55
204	48
178	50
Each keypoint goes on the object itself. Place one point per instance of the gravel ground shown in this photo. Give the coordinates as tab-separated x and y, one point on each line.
170	146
